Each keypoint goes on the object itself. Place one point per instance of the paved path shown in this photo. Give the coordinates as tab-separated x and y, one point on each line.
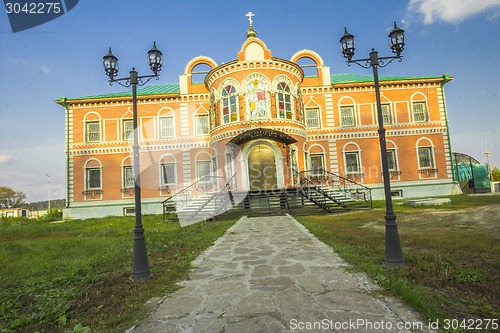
269	274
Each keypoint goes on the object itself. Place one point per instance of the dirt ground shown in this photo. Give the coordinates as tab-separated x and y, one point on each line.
484	217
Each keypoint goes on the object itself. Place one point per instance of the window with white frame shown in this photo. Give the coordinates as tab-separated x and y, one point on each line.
92	131
93	178
317	163
352	164
425	158
201	124
347	118
386	114
391	160
168	174
284	101
420	113
203	170
312	118
128	129
166	127
128	176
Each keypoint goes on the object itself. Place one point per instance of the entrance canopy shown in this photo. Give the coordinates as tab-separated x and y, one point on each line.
263	133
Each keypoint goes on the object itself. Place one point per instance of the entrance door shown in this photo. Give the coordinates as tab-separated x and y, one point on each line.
262	169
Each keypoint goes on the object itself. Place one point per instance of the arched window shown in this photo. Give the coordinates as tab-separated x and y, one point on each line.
229	104
284	101
425	156
419	108
92	128
128	180
92	180
257	98
352	162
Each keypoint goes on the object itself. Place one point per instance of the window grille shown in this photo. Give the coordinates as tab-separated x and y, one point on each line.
386	114
128	177
202	127
93	178
93	131
347	116
420	113
312	118
128	129
166	127
425	158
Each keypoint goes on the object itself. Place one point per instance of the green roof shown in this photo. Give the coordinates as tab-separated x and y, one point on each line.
157	89
356	78
173	88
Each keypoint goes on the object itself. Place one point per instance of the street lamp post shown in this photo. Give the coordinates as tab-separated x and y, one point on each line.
48	191
140	265
393	253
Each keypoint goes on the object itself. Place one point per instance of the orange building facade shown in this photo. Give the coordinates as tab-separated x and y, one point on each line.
256	120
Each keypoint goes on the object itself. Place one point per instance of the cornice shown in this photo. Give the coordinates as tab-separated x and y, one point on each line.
233	67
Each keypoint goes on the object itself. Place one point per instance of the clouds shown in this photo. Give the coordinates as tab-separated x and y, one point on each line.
452	11
45	69
6	158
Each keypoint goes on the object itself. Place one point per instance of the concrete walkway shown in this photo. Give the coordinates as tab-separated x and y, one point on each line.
269	274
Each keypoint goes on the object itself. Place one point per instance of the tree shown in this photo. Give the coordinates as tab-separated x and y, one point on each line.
495	174
10	198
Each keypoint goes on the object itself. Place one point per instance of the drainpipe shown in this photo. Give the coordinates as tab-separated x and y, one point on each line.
62	101
446	79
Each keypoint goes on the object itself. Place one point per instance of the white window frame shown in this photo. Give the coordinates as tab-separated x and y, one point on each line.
420	116
321	157
128	176
387	113
358	163
310	121
344	116
202	173
200	129
166	127
395	159
430	155
87	178
92	136
162	173
127	129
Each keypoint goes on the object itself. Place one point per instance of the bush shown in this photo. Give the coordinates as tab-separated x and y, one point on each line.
52	215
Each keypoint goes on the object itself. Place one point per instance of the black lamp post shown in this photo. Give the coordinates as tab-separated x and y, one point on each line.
140	266
393	253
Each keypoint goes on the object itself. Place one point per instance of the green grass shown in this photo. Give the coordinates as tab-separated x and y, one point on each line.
56	275
452	254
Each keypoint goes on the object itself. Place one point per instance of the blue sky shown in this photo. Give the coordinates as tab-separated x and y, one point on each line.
64	58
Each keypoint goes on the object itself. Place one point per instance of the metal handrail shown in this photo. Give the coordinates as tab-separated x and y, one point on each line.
340	183
218	208
306	189
180	200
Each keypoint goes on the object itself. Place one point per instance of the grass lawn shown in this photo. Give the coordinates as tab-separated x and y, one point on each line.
452	254
55	276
